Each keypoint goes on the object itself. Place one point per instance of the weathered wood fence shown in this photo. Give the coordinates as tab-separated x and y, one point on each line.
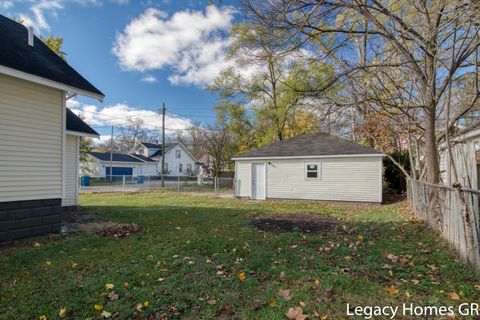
454	212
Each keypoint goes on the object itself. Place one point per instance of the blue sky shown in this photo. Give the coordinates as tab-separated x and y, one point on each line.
138	53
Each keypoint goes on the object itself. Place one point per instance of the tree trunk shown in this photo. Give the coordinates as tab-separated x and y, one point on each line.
431	151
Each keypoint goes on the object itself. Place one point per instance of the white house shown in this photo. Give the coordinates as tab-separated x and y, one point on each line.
313	166
146	161
122	164
178	160
38	147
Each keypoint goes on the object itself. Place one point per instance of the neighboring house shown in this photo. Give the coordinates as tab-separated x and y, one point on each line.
465	149
207	163
178	160
122	164
38	135
146	161
314	166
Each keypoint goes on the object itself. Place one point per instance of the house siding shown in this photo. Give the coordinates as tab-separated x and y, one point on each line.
173	162
71	172
31	121
341	179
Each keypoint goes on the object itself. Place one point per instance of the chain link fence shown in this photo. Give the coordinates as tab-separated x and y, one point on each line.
124	183
454	212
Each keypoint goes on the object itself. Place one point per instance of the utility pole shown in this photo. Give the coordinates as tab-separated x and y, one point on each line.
163	144
111	155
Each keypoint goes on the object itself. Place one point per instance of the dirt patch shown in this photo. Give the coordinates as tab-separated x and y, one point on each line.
392	198
120	231
296	223
88	221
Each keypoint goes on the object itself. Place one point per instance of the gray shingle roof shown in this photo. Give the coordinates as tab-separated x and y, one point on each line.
312	144
75	123
116	157
38	60
142	157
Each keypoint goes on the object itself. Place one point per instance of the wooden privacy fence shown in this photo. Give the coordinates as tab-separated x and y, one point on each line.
454	212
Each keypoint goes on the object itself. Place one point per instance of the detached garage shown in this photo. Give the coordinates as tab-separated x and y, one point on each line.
315	166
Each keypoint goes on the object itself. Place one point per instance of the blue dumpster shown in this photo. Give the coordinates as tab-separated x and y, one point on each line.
86	181
140	179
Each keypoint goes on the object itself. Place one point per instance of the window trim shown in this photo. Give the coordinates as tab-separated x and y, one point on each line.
319	170
178	153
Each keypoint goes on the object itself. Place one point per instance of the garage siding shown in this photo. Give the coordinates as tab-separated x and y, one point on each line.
242	178
30	141
71	172
341	179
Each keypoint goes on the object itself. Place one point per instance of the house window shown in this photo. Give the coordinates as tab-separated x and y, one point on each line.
180	167
166	168
178	153
312	170
189	168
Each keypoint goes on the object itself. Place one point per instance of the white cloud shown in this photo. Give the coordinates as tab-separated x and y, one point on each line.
149	78
119	113
191	43
5	5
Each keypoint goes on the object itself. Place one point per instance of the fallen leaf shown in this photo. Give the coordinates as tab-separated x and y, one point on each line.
282	275
317	282
139	307
106	314
392	290
146	304
48	263
37	245
242	276
109	286
477	287
74	264
453	295
302	304
211	302
273	303
113	296
296	314
98	307
43	317
408	294
285	294
63	312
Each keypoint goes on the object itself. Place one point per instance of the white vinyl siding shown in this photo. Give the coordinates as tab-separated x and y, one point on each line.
71	172
243	173
340	179
31	120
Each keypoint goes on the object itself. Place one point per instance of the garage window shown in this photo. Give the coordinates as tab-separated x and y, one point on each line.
312	170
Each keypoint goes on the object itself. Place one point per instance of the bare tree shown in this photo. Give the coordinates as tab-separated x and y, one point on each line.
194	140
217	145
131	133
411	53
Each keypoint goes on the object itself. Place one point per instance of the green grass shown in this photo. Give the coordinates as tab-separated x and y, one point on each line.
188	239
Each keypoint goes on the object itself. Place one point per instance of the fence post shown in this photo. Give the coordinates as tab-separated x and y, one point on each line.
178	184
148	183
123	179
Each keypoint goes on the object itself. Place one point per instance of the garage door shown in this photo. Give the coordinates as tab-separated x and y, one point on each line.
120	171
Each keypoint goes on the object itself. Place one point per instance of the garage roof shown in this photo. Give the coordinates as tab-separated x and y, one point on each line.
116	157
312	144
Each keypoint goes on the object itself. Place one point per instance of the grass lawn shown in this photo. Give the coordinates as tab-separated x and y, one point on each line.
194	251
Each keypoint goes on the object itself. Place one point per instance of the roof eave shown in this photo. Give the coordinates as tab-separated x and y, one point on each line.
49	83
312	156
82	134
